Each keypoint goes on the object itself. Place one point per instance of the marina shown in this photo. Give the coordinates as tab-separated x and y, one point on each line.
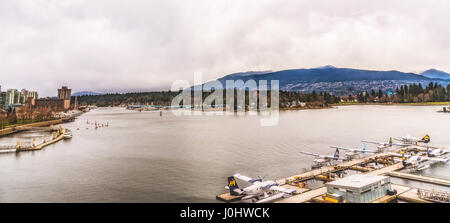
391	167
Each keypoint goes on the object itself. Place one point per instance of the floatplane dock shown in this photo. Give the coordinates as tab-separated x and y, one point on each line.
390	168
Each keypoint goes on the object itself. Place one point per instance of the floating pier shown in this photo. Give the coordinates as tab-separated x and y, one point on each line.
58	135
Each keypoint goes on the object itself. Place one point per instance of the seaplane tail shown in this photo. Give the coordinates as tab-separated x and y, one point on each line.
233	186
336	154
426	139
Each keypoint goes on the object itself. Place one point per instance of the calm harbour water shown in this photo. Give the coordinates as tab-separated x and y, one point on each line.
142	157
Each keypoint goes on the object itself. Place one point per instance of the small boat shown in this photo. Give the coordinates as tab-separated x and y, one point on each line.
67	134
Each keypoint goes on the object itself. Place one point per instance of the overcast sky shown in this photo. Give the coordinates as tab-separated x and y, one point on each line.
110	46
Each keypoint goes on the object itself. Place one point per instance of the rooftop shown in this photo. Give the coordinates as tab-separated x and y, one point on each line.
357	181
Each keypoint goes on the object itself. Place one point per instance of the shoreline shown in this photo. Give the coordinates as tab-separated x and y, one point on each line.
16	129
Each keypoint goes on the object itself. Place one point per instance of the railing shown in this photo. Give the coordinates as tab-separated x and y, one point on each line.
435	196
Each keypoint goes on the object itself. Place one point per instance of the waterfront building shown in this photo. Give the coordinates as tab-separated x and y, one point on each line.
51	103
2	99
11	97
64	93
358	188
61	103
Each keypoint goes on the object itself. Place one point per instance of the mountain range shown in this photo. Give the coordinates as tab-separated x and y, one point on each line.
340	81
433	73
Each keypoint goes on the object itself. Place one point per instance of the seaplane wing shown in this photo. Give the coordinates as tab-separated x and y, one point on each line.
245	178
311	154
373	142
283	189
354	150
419	147
337	147
419	158
400	144
441	151
400	139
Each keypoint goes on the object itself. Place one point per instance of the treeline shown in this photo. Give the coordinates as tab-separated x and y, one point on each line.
164	98
413	93
290	99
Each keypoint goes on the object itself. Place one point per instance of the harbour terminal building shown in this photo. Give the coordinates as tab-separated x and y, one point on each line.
358	188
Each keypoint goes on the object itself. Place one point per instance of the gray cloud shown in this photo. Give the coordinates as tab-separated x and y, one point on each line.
109	45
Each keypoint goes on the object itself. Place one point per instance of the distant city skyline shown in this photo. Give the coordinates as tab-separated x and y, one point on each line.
118	46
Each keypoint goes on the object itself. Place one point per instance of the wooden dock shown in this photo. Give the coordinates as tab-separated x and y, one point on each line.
387	169
329	169
42	145
304	197
228	197
390	169
313	195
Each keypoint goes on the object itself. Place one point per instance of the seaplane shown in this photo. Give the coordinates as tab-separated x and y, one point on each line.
432	152
436	152
354	153
67	134
412	140
323	160
259	189
383	145
416	162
